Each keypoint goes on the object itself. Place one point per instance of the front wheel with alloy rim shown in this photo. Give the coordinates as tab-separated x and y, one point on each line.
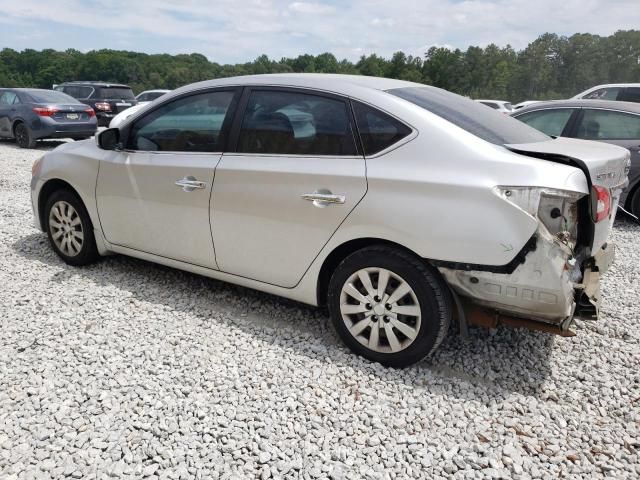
69	228
389	306
24	137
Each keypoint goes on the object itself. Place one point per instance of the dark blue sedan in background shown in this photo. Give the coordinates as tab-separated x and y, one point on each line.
30	114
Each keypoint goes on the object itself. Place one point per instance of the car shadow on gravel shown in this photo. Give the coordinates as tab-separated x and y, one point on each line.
495	363
40	144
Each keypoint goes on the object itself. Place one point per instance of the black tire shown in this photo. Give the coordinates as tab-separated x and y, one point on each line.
634	203
24	136
88	253
431	292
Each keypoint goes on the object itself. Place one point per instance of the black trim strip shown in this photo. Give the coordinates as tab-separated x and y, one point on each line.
510	267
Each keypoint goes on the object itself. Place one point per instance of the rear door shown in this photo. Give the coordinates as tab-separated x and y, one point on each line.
294	177
154	196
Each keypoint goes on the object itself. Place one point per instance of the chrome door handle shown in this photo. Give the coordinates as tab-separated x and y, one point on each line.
189	184
321	199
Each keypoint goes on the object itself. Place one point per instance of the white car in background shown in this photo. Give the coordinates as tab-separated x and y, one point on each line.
526	103
144	98
626	92
499	105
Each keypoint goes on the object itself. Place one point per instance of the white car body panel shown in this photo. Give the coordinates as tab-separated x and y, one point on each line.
433	193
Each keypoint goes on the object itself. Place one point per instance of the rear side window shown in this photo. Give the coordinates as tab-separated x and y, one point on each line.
551	122
116	92
292	123
610	93
9	98
607	125
377	129
630	94
471	116
188	124
76	91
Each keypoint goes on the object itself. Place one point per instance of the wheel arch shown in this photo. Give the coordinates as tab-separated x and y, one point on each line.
51	186
342	251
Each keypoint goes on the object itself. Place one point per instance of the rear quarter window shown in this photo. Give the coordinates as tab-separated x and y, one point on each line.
475	118
378	130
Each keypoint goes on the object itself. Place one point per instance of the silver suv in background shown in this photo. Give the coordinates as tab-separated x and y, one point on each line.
399	206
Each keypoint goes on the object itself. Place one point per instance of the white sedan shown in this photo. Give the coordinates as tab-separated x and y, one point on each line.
397	205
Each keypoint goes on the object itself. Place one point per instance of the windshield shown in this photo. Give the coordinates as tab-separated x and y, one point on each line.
471	116
45	96
116	92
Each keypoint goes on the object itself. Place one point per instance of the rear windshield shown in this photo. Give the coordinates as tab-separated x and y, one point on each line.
52	97
116	92
471	116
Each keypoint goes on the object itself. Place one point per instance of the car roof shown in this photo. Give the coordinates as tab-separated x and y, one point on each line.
489	100
609	85
630	107
344	84
95	84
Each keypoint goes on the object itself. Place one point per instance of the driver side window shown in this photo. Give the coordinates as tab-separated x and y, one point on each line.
188	124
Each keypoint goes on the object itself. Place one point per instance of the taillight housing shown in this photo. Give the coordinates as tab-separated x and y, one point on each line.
600	202
44	111
103	106
556	209
89	111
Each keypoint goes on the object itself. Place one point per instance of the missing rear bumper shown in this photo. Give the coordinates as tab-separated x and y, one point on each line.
546	292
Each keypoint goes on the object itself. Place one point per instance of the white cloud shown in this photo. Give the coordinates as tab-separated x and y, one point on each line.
311	8
238	31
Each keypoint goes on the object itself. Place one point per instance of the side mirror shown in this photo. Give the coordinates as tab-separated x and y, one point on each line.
109	139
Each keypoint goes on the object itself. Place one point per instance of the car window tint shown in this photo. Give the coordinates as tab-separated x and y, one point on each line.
296	124
189	124
51	96
610	93
84	92
607	125
116	93
630	94
143	97
551	122
8	98
489	125
377	129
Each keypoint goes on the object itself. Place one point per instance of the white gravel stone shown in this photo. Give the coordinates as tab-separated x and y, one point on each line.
134	370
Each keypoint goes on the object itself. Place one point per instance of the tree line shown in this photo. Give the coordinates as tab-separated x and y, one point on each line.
550	67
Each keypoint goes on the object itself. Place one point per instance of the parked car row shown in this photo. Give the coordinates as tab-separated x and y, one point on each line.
607	121
71	110
330	190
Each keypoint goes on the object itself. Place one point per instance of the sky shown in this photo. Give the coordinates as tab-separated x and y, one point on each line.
235	31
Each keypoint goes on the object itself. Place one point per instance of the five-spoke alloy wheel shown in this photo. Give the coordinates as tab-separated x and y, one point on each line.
389	306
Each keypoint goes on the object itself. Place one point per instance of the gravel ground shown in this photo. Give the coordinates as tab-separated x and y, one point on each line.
129	369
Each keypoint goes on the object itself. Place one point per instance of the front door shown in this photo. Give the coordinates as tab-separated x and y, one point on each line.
154	196
295	176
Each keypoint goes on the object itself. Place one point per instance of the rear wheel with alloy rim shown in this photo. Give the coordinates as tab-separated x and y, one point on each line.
389	306
24	137
69	228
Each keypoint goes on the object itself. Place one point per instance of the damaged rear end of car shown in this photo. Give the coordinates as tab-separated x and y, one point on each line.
555	277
